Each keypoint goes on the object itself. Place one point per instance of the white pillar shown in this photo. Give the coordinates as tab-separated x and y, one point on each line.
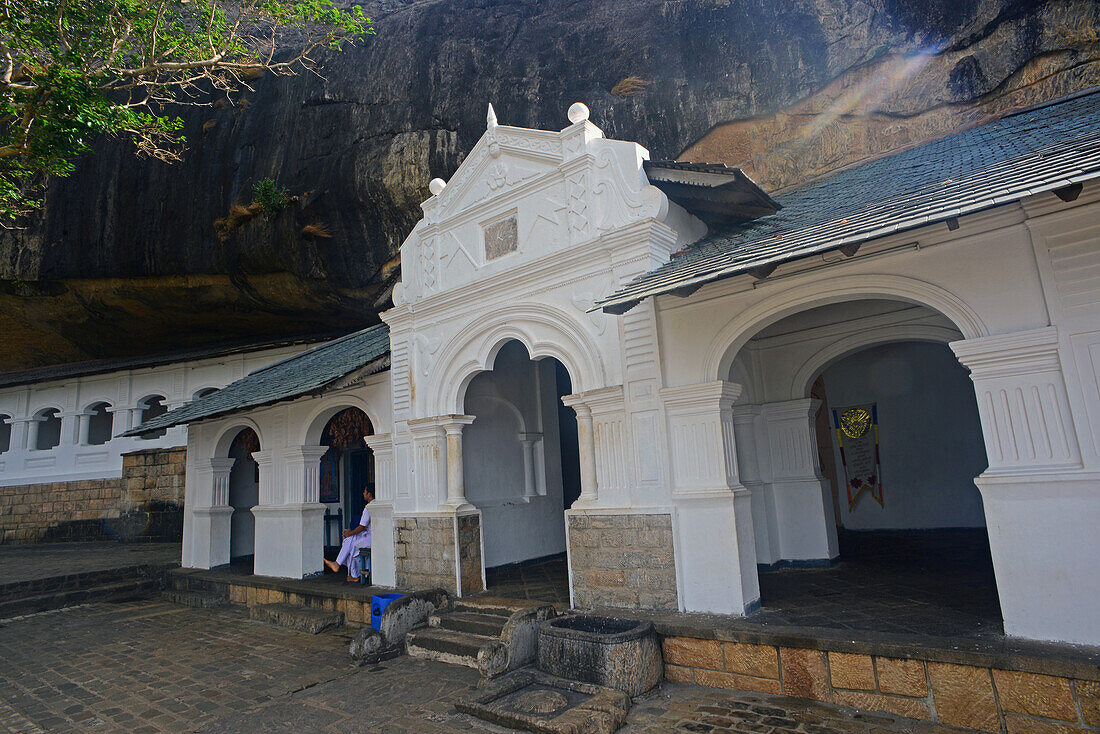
530	485
586	440
1042	506
33	424
715	547
211	514
802	497
84	423
290	528
70	424
456	479
383	566
746	423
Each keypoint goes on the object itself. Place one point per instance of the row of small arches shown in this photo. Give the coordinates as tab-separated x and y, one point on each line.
100	419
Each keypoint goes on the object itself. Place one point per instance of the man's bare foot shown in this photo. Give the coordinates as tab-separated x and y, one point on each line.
331	565
352	580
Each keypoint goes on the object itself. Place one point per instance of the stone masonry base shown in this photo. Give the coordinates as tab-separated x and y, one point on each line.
969	696
145	502
622	561
424	550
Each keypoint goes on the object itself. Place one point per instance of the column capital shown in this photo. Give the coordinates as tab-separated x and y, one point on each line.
263	458
379	442
1007	355
437	424
744	415
600	400
529	438
701	394
217	466
791	409
306	453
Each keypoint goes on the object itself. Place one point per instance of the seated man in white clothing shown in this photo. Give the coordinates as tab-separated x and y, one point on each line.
355	539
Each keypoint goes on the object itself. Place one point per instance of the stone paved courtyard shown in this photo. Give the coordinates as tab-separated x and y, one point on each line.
20	563
151	666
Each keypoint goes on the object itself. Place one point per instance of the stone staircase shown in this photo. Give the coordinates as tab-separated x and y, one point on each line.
489	634
111	585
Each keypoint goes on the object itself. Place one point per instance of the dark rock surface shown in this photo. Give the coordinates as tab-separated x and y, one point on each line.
127	258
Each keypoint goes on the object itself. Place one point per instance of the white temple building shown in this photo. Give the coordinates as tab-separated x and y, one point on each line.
636	363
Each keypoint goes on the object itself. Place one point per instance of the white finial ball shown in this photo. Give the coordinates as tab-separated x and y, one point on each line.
436	186
578	112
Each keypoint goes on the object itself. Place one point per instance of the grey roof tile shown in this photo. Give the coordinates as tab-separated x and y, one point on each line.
302	374
1018	155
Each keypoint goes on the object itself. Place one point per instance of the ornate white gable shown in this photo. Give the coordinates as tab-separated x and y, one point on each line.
521	195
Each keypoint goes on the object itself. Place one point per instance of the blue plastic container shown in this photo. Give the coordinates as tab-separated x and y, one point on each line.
378	603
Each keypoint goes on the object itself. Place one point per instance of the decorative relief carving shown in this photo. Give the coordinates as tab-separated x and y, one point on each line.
538	144
501	238
579	226
399	374
618	204
427	262
427	344
582	302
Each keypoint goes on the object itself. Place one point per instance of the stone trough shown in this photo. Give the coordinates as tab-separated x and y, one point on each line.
588	669
623	654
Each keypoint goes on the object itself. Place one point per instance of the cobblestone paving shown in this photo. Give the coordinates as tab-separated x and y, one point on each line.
157	667
20	563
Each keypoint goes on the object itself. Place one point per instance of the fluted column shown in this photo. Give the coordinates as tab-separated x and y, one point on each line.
528	441
211	515
456	480
586	438
713	519
1041	503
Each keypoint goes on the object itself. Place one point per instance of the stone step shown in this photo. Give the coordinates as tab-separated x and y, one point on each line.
494	605
198	599
297	618
447	646
489	625
116	592
74	582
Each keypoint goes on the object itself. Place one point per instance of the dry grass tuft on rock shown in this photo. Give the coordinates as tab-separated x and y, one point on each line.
316	229
629	86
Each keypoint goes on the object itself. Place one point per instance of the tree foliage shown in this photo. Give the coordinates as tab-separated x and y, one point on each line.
73	70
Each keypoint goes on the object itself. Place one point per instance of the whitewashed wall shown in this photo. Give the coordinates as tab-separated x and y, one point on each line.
124	391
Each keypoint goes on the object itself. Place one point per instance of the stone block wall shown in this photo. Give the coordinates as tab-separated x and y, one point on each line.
146	502
966	696
154	475
469	552
622	561
425	552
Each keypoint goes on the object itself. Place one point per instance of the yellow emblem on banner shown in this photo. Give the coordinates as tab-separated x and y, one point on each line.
854	422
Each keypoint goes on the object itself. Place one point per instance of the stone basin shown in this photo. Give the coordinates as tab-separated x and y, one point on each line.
623	654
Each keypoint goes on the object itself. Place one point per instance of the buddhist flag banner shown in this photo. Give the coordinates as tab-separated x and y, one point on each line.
857	436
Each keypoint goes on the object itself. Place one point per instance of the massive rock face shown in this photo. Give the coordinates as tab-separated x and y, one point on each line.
130	256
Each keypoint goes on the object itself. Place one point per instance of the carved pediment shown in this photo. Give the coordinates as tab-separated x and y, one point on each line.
499	162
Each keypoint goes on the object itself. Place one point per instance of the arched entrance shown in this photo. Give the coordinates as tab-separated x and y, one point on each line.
522	471
858	434
347	467
244	494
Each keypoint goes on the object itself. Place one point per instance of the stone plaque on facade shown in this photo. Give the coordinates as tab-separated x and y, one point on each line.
501	238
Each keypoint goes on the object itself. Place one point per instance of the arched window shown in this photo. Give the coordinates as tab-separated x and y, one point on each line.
101	424
49	429
204	392
5	433
151	407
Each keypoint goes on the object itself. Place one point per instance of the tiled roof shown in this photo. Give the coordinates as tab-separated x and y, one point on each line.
102	366
363	352
1025	153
